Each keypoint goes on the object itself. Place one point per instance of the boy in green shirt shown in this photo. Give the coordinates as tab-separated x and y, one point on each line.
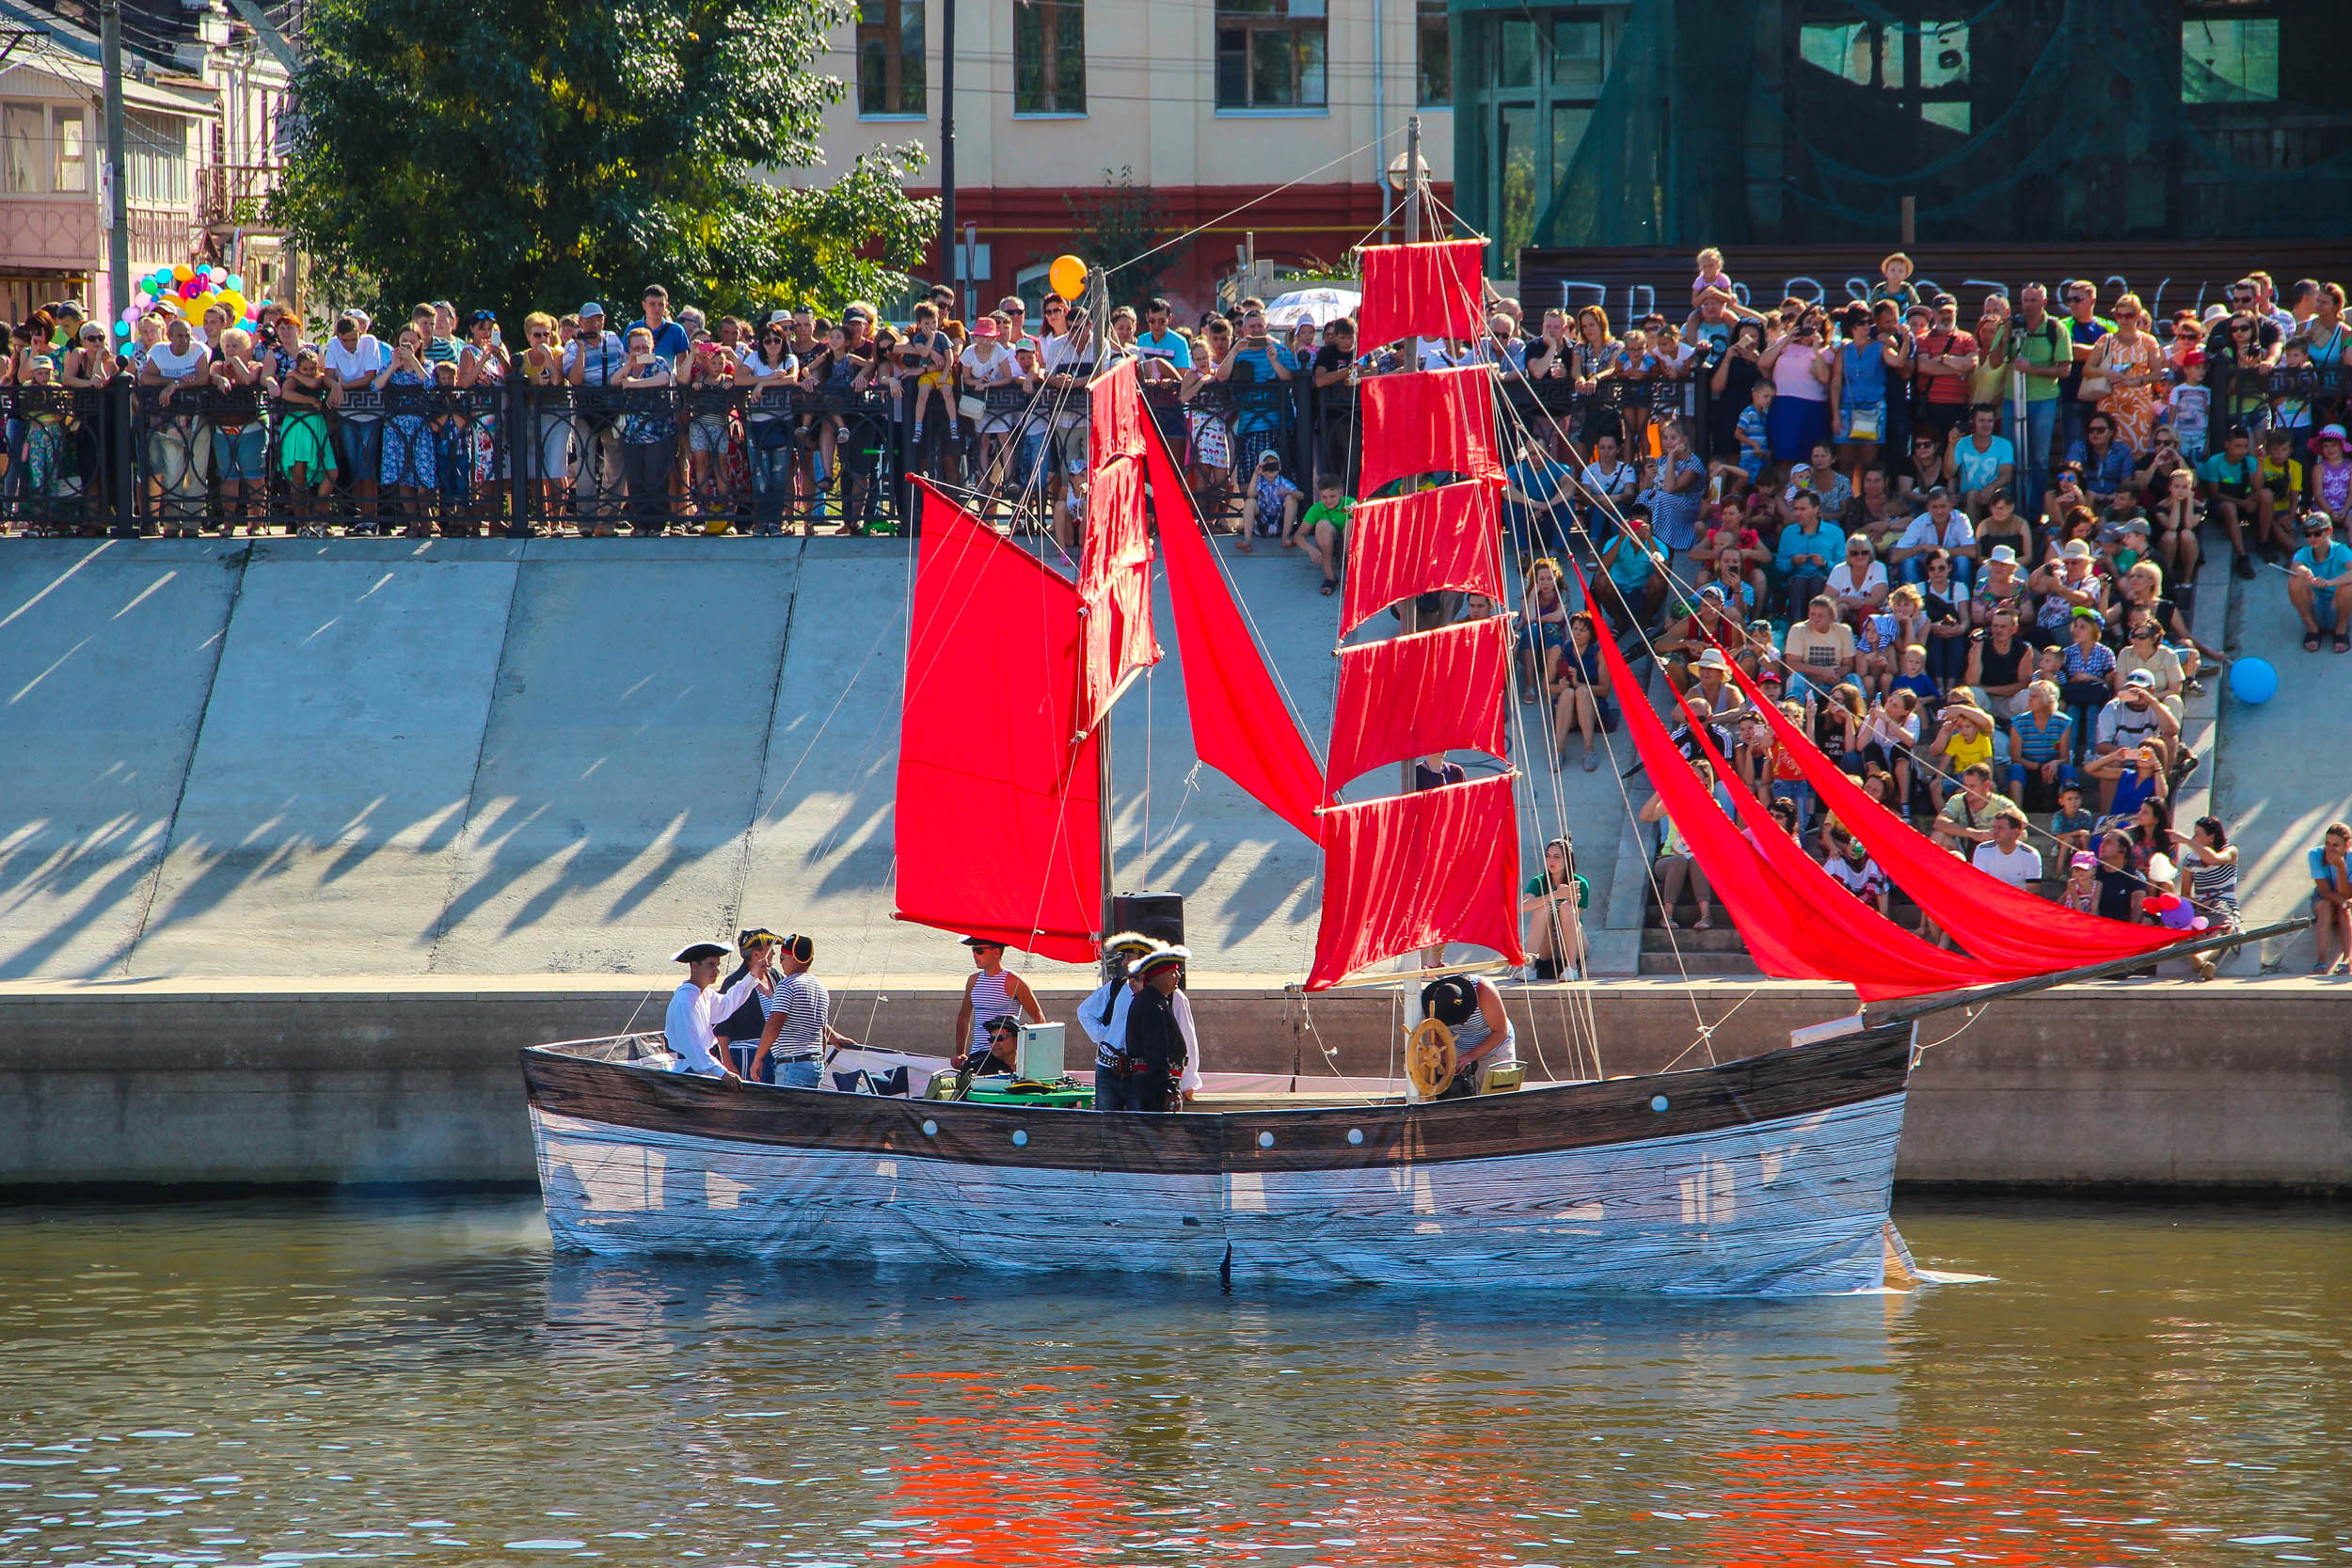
1326	526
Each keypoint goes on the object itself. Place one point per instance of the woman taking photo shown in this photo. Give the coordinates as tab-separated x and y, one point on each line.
1799	365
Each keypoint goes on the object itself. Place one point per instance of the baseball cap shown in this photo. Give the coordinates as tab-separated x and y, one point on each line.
2142	679
2317	522
591	309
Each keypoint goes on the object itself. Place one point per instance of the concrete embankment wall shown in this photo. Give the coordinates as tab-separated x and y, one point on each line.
2243	1085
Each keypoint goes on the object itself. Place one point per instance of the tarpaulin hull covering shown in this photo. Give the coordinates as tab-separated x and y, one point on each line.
2002	924
1240	725
1405	697
1115	573
998	825
1788	934
1445	538
1436	865
1431	422
1432	290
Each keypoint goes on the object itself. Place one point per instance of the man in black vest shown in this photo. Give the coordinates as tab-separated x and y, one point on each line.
1154	1054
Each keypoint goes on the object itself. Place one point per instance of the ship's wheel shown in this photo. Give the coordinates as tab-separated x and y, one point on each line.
1429	1057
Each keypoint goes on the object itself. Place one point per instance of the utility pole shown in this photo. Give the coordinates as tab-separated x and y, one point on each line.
111	176
947	139
1412	179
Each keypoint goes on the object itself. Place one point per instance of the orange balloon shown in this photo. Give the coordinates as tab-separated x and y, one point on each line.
1067	274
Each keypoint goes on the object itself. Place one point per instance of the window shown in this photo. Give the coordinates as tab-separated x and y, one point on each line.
890	59
72	169
156	150
21	153
1049	56
1923	64
1435	52
2230	60
1270	54
1547	68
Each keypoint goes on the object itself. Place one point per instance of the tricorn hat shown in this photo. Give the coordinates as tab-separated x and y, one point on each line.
696	952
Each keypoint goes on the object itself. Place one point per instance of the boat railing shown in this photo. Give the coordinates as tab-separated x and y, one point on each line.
613	1048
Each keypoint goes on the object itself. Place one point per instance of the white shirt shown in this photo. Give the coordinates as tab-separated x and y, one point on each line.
2017	867
687	1027
690	1026
988	369
175	367
1921	534
1611	482
358	363
1189	1080
1103	1017
1433	355
1841	578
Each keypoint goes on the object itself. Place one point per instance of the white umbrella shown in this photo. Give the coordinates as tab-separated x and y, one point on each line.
1315	307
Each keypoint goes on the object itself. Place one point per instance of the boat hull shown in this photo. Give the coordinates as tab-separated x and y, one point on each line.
1770	1176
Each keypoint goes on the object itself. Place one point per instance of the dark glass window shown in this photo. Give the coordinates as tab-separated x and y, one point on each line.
890	60
1049	56
1270	54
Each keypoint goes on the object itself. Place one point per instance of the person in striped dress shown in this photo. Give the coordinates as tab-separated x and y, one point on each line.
799	1030
992	991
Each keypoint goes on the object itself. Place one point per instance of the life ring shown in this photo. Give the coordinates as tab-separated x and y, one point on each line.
1429	1057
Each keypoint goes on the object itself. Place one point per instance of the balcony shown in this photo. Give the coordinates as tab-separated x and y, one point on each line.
236	194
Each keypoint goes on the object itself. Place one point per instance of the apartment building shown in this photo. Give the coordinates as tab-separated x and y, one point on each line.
1278	119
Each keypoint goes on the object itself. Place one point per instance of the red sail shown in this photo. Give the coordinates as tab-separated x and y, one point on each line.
1429	423
1788	933
1858	926
1240	725
1997	922
998	828
1405	697
1431	291
1414	870
1449	537
1115	572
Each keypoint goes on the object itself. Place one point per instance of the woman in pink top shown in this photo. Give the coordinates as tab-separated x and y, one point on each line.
1798	365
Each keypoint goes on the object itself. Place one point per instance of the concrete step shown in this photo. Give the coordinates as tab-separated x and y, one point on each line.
1698	964
1715	938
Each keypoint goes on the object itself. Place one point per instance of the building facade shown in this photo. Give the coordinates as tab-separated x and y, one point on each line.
1792	122
1290	111
200	101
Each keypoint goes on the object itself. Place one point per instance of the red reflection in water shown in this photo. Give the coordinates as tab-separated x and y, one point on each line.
1008	1482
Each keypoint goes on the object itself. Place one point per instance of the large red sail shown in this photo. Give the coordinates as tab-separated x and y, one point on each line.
998	826
1789	933
1405	697
1409	872
1115	570
1240	725
1445	538
1998	923
1429	423
1432	290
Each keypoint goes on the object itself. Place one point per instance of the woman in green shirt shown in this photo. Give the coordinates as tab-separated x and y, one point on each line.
1552	906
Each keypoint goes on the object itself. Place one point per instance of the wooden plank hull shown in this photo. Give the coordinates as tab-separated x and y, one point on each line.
1770	1176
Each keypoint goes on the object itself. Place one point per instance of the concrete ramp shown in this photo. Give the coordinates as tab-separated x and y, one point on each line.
106	656
623	757
319	827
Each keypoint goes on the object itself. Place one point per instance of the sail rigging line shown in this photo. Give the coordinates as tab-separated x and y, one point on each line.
1206	225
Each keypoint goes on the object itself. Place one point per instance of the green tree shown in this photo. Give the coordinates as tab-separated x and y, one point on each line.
1117	225
533	153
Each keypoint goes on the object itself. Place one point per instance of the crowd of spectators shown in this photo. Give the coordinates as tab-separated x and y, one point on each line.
1963	562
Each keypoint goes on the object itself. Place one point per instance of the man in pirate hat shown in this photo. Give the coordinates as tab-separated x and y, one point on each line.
1152	1055
1104	1015
687	1026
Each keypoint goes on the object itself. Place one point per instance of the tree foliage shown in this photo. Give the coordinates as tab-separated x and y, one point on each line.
534	153
1116	225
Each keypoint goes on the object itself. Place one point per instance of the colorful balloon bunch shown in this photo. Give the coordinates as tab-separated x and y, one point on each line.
193	289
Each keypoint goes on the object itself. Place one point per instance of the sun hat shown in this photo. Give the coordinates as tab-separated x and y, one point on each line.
2004	554
2331	433
2084	856
2075	550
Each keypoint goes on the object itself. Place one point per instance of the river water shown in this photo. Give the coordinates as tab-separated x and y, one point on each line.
284	1382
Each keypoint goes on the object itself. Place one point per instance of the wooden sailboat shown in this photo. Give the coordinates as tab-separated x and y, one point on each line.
1771	1174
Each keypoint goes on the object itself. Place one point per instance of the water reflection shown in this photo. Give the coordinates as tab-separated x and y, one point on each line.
272	1382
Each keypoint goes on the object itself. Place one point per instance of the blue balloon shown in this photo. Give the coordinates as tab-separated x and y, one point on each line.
2253	680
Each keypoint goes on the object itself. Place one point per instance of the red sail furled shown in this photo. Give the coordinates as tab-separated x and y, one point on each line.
1788	933
1997	922
1240	725
1435	289
1429	423
1449	537
1407	872
998	828
1115	571
1404	697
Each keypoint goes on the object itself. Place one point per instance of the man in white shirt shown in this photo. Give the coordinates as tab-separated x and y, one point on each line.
687	1026
1104	1015
355	357
2007	856
596	357
1939	525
